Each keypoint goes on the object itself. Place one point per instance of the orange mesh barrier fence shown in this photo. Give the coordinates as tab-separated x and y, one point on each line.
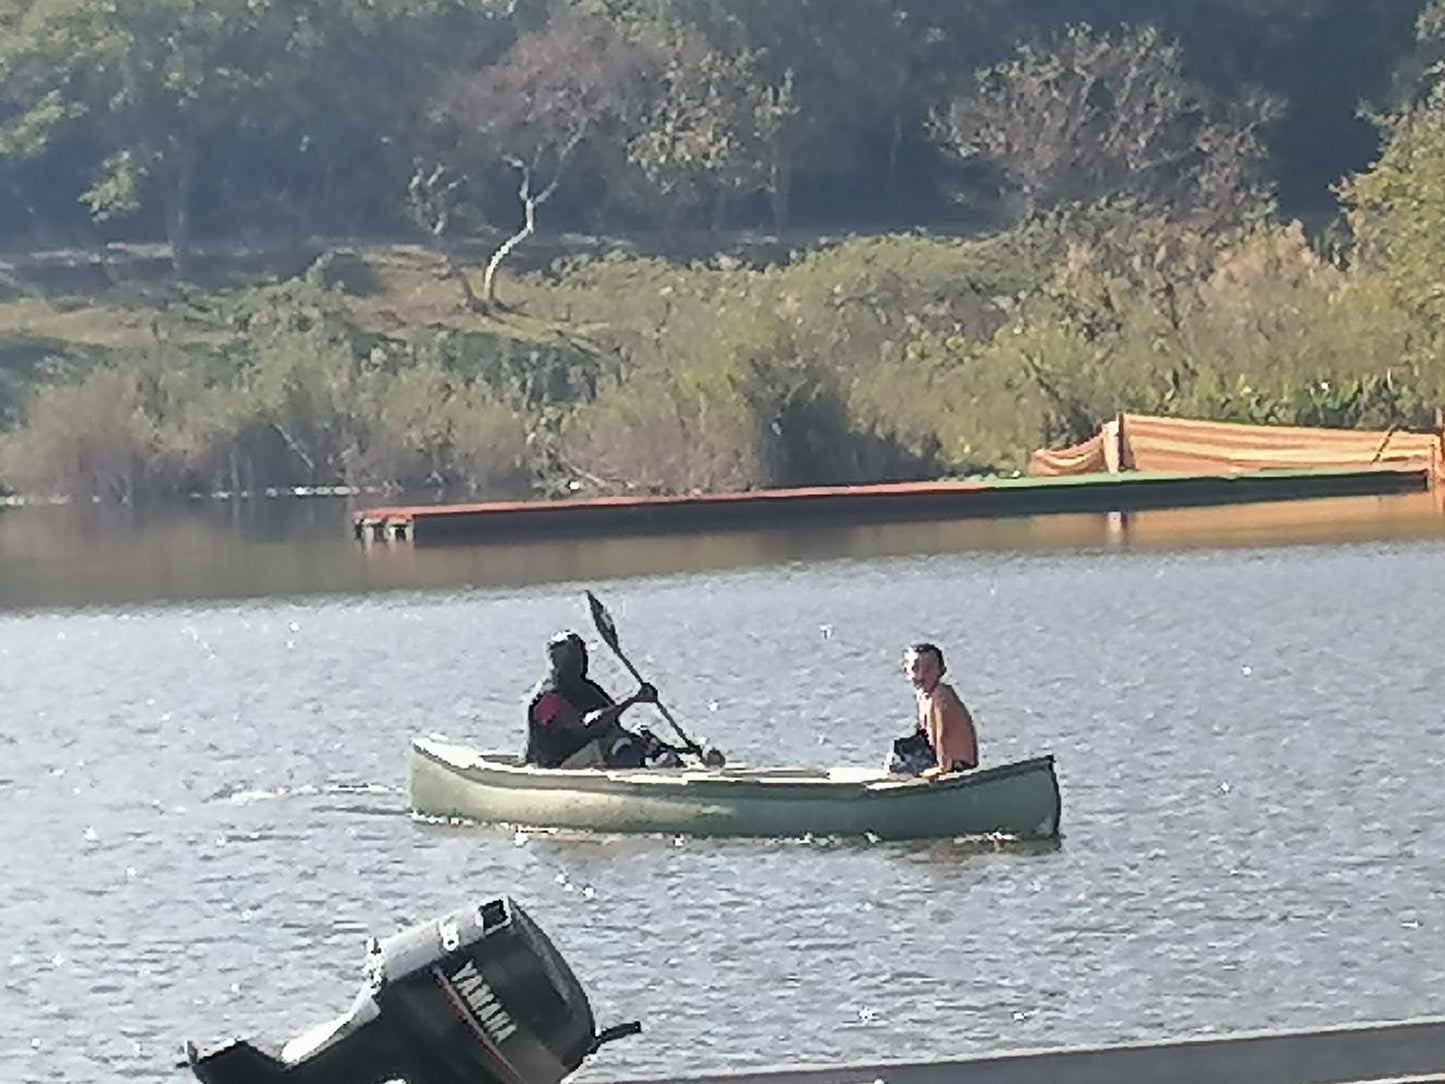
1187	446
1085	458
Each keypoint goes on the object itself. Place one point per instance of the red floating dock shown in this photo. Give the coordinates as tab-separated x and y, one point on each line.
857	505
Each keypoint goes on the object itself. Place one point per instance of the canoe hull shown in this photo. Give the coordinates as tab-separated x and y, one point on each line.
453	781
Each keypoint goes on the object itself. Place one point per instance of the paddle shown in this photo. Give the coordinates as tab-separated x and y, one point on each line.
607	629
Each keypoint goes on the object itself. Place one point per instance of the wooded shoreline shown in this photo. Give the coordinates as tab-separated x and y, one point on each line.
567	317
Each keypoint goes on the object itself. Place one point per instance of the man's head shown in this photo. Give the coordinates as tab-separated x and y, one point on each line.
924	666
567	654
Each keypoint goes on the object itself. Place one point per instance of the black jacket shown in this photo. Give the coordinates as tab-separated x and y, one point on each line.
546	746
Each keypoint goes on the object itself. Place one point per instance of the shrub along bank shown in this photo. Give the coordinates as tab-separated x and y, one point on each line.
869	359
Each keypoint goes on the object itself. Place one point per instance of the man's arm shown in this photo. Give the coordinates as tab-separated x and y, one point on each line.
603	718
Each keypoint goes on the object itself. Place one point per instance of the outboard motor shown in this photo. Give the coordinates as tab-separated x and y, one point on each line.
477	996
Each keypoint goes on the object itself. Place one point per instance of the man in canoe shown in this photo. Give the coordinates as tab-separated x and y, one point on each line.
572	722
945	739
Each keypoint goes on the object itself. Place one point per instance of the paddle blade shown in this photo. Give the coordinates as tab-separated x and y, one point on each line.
606	628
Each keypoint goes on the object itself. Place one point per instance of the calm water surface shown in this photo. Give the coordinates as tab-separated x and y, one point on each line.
201	757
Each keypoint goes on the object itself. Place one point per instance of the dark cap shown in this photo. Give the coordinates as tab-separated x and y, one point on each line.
566	636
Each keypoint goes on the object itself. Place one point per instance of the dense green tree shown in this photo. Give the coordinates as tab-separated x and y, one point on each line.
701	142
156	80
1398	208
1094	116
826	73
179	119
175	93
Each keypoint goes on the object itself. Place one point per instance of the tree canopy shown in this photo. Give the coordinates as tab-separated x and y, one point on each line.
179	119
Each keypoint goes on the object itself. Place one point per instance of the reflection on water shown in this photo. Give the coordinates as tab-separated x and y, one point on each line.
581	847
97	556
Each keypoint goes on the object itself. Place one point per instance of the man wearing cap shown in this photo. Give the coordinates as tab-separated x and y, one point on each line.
571	720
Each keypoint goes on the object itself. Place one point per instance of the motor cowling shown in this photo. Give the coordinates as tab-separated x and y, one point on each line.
479	994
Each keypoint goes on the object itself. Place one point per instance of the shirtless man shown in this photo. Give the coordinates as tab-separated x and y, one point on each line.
942	718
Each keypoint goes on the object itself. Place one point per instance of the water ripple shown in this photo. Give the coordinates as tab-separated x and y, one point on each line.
204	815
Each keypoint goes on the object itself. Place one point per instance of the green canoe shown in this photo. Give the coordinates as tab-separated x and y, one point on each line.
1019	799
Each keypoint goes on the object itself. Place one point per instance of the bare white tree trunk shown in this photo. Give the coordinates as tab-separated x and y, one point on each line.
530	203
529	227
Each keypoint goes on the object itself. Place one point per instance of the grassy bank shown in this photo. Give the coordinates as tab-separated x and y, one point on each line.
852	360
